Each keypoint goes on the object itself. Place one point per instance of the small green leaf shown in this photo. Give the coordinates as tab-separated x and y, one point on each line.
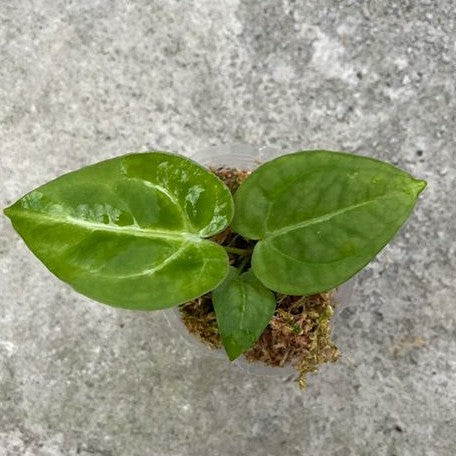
129	231
244	307
320	217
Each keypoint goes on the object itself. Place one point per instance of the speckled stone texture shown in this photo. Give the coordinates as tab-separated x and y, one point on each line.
81	81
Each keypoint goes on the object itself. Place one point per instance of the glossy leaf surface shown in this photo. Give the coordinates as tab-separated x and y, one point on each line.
244	307
320	217
129	231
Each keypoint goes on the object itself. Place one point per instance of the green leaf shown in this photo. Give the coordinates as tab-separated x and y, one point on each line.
129	231
320	217
243	307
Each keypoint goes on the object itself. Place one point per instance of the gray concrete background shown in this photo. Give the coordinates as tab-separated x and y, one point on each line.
85	80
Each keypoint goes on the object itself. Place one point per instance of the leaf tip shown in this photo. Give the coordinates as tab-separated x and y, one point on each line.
418	185
232	356
8	211
232	348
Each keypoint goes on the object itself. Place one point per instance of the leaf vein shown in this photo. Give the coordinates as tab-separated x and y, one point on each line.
321	218
132	230
159	266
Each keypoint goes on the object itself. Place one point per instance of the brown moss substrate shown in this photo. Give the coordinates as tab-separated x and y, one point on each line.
298	334
300	331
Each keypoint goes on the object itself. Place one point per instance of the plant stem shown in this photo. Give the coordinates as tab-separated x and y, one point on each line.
238	251
244	263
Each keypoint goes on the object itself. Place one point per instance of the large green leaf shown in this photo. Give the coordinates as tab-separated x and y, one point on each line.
129	231
320	217
243	307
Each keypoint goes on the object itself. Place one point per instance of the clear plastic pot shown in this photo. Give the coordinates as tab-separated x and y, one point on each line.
244	157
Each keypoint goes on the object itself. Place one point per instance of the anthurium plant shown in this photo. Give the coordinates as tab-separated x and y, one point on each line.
138	231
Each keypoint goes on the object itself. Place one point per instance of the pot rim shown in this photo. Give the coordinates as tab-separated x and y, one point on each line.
246	156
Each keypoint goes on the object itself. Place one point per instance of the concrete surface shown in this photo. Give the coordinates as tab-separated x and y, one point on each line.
84	80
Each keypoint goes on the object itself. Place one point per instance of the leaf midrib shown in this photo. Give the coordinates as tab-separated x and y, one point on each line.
325	217
243	303
131	230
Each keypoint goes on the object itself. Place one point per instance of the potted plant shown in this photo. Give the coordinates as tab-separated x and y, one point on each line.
250	258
